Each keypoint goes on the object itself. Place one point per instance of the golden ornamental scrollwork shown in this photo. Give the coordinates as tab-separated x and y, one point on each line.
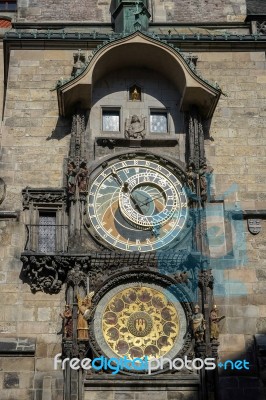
140	321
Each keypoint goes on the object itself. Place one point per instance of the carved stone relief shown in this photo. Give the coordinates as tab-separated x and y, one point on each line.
254	226
135	127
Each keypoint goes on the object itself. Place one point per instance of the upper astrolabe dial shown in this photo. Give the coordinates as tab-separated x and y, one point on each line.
137	205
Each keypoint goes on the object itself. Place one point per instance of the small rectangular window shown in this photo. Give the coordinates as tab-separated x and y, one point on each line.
46	221
158	121
111	120
8	5
47	232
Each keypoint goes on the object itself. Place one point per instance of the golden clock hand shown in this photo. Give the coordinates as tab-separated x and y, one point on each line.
153	198
119	180
114	173
136	204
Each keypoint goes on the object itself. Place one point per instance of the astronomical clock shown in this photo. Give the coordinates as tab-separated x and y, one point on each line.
137	204
126	235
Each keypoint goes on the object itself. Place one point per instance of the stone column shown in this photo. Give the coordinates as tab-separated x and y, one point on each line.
77	179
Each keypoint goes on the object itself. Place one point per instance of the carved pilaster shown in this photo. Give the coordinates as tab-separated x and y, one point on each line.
205	282
214	348
198	171
77	177
200	237
205	279
200	350
77	150
198	180
76	277
195	140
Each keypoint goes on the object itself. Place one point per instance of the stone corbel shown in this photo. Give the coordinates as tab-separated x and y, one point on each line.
47	273
44	273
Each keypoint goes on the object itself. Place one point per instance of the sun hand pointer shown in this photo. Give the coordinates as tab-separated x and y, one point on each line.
152	199
136	204
134	201
118	179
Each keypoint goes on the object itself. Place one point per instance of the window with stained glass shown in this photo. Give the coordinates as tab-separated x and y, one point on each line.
47	232
8	5
111	120
158	122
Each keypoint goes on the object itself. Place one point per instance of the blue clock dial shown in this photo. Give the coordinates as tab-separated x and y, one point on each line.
137	205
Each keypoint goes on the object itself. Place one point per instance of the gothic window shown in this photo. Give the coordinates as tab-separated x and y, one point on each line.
158	121
5	23
111	119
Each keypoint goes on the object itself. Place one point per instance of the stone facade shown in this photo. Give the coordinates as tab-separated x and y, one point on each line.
166	11
35	142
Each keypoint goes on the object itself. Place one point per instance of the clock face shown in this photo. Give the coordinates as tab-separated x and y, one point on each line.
137	320
140	321
137	205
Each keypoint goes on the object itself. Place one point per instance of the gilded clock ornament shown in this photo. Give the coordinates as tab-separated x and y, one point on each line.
137	205
140	321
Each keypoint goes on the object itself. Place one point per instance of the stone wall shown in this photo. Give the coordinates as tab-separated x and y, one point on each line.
26	317
35	140
157	93
34	144
162	11
236	143
199	11
235	148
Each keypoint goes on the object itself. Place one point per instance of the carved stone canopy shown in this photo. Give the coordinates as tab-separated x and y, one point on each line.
134	50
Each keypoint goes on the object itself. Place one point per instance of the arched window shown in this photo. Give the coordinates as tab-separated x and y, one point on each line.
135	93
5	23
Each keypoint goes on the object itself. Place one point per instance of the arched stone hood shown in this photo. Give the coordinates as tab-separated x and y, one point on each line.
139	50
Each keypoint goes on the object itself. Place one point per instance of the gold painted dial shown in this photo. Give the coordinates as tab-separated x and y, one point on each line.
140	321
